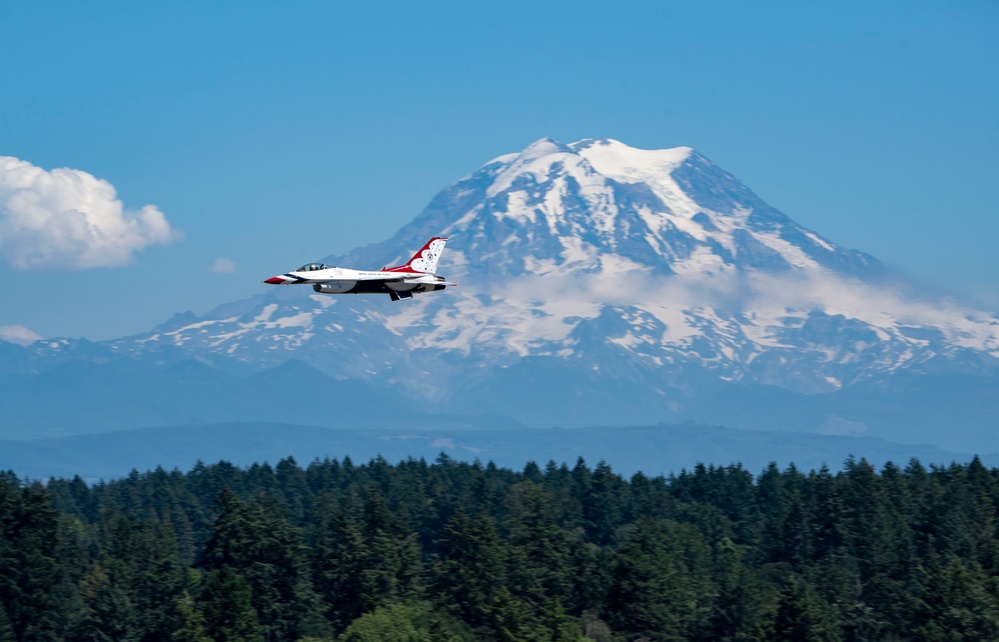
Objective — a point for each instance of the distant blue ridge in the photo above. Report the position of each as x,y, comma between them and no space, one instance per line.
653,450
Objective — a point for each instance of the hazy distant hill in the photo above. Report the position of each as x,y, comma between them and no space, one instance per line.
82,397
650,449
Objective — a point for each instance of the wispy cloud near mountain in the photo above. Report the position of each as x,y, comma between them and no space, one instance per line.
18,334
223,266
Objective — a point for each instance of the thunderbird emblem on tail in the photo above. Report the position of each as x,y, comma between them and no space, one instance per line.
399,282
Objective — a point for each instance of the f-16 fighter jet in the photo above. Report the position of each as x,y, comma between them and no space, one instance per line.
399,282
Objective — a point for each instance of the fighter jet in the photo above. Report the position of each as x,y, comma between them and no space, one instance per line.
399,282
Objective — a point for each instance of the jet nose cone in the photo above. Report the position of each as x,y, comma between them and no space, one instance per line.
274,280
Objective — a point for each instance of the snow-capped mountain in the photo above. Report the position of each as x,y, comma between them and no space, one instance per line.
641,265
595,278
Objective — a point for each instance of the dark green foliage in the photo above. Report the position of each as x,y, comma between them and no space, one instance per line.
192,625
539,559
227,608
30,571
6,630
253,544
741,599
455,552
405,622
471,566
803,615
111,614
661,582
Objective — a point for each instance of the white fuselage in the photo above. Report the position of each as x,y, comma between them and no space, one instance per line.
399,282
345,279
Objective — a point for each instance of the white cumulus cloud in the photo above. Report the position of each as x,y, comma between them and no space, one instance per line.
67,218
223,266
17,334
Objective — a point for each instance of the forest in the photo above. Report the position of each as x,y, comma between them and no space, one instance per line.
450,551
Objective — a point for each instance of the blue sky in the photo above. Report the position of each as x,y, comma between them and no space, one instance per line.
269,135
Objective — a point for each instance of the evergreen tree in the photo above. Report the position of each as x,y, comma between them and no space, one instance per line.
740,604
958,603
392,570
661,581
256,543
141,561
539,564
470,569
29,566
510,619
341,556
605,502
560,627
6,630
803,615
193,627
404,622
110,614
227,607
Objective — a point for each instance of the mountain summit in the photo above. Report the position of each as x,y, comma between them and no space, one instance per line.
562,208
595,269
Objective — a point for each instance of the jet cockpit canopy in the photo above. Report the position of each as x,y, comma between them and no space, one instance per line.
312,267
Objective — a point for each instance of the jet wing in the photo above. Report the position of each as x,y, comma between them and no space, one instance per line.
362,276
396,277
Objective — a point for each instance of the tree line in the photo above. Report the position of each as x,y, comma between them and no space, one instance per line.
449,551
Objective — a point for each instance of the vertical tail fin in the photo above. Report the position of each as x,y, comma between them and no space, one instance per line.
425,260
